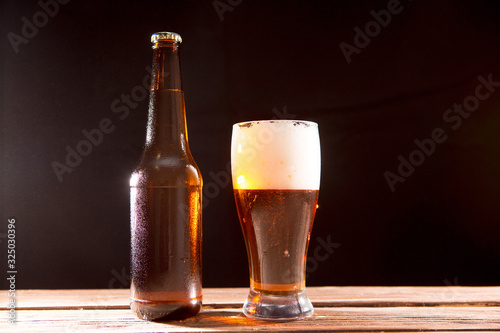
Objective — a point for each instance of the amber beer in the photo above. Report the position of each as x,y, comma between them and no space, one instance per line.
276,249
276,172
165,201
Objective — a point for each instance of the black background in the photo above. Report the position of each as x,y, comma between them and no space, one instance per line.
259,60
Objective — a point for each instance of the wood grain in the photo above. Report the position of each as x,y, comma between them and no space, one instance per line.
234,297
353,309
220,320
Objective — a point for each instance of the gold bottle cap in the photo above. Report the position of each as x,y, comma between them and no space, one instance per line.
156,37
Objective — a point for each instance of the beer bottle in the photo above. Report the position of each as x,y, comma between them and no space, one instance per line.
165,195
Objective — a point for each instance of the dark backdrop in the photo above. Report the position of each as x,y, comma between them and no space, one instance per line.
66,69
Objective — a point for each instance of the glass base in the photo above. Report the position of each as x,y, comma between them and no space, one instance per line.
277,308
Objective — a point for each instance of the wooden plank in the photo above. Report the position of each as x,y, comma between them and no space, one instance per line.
234,297
44,299
407,319
405,296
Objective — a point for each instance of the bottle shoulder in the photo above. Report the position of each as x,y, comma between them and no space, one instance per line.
166,171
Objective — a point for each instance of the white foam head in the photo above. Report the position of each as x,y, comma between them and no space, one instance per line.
276,154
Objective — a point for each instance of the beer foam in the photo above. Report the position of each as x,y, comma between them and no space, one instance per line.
276,154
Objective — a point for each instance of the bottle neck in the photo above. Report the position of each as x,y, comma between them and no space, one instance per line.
166,129
166,66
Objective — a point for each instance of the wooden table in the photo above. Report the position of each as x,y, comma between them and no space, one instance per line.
354,309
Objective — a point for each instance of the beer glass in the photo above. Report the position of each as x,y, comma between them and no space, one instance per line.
275,168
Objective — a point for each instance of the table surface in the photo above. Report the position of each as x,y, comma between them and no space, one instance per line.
353,309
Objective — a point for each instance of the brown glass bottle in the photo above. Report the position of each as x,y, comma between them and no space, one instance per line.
165,200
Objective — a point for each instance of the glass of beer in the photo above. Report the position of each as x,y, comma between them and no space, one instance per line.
276,168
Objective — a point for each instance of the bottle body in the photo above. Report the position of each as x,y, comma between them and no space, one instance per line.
166,251
165,203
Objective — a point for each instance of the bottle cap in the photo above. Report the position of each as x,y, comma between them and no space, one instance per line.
159,36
